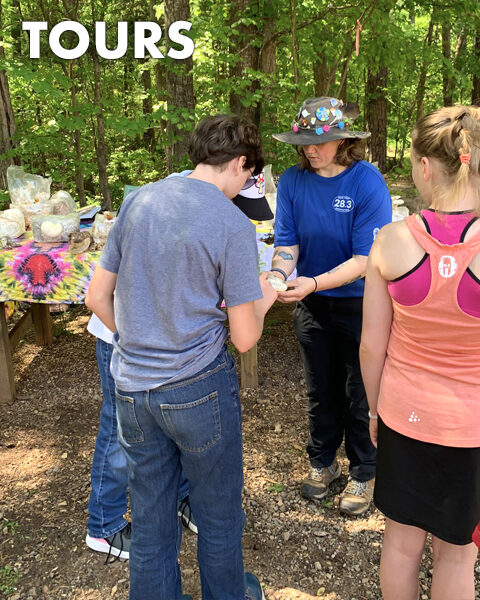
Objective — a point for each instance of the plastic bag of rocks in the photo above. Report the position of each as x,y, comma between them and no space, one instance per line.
101,227
12,225
26,188
29,193
63,203
55,228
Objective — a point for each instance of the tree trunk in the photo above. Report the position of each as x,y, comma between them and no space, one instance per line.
320,76
179,86
7,120
448,76
159,65
267,65
101,146
148,134
247,55
79,183
376,113
476,76
293,15
420,95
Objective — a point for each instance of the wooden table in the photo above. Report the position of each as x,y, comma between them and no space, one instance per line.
40,274
45,274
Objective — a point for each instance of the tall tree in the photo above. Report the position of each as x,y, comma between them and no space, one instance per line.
376,115
245,43
420,94
476,74
179,84
7,119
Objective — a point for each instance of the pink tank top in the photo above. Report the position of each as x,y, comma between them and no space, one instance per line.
430,387
412,287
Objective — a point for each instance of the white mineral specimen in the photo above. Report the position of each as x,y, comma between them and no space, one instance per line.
51,230
277,284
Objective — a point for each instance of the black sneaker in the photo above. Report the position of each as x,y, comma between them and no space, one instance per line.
185,515
116,545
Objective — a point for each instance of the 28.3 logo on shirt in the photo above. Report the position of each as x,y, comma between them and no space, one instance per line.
343,204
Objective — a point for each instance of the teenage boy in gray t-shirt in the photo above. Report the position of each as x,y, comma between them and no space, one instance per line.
178,248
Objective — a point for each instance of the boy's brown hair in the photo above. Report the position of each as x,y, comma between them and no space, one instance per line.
218,139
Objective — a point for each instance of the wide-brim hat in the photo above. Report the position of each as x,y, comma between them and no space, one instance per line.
322,120
251,199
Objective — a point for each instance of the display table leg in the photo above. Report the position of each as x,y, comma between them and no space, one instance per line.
7,383
249,368
42,323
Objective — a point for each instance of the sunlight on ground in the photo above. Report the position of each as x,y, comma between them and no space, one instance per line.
25,354
24,465
293,594
79,325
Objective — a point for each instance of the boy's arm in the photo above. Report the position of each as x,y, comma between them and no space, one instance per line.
246,320
99,298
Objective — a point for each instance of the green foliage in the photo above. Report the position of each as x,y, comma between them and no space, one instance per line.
9,578
275,488
9,527
54,100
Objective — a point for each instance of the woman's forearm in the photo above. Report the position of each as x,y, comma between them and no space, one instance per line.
285,258
371,364
347,272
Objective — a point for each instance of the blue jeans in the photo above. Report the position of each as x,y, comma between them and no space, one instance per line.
193,425
109,475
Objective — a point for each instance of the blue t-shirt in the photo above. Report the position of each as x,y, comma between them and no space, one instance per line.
331,218
179,247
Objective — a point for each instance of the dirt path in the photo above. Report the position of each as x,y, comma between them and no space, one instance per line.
298,549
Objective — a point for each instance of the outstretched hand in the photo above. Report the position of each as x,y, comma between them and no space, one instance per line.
269,294
297,289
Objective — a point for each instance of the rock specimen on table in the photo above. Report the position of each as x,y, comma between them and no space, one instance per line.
80,241
12,223
63,203
101,227
55,228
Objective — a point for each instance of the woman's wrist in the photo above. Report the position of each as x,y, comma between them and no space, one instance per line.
316,285
281,271
372,415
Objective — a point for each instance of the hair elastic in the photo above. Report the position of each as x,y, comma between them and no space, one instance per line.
281,271
465,159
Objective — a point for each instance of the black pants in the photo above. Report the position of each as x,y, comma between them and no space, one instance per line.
328,330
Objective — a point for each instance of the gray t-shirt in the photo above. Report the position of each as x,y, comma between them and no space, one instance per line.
179,247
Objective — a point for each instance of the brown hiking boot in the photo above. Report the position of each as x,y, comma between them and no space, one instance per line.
315,486
356,497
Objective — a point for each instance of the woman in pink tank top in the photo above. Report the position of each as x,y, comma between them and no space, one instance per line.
420,360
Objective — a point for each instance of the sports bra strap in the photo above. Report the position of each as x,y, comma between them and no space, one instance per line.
433,246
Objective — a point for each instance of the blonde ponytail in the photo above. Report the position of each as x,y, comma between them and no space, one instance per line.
451,135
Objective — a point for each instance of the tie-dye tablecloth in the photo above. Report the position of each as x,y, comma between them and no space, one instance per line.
50,274
46,273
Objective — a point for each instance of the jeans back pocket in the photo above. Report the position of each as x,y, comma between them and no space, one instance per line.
128,428
194,426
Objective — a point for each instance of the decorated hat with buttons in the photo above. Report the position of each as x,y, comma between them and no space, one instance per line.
321,120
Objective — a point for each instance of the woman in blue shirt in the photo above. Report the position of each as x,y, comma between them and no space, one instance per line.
329,209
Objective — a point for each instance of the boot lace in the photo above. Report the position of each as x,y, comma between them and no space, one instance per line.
357,488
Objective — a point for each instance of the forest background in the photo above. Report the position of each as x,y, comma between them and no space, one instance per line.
94,125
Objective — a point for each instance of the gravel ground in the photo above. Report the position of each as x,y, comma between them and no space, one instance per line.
299,550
